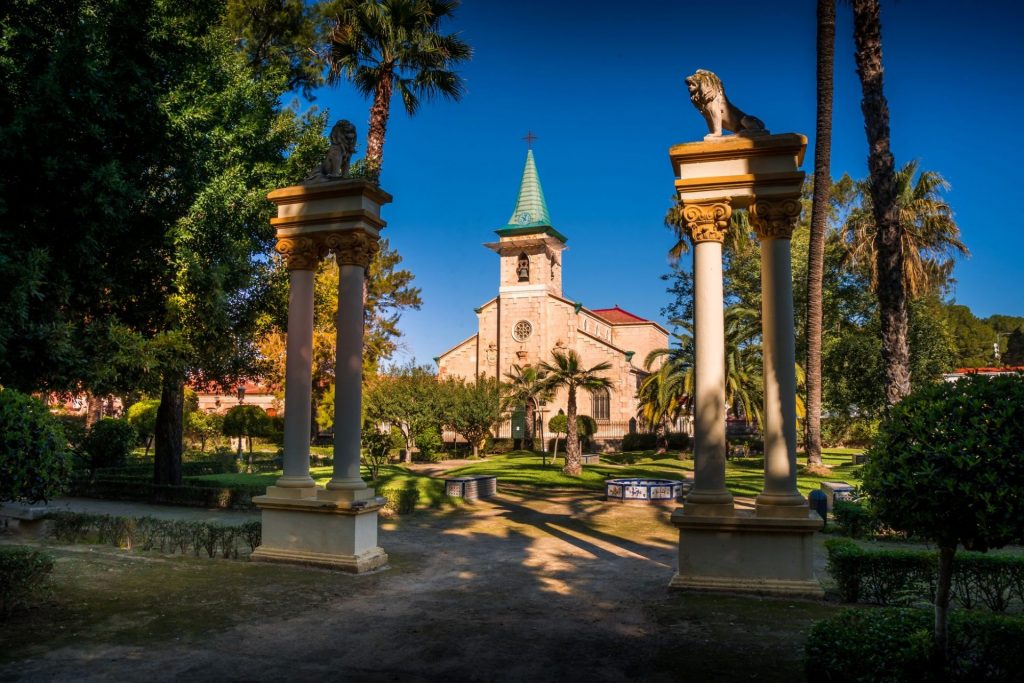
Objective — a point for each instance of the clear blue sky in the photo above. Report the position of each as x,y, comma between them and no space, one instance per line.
600,84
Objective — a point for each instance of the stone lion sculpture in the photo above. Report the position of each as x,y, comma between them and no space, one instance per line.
708,95
336,164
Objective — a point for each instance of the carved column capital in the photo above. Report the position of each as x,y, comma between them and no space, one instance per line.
300,253
775,218
355,248
708,222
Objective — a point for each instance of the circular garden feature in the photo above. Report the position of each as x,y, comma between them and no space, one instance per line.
643,490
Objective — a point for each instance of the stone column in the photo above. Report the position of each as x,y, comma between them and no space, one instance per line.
354,251
707,223
774,222
301,257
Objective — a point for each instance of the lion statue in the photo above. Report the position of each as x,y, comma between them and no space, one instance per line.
708,95
343,145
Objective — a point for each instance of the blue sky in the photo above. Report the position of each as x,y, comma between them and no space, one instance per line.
602,89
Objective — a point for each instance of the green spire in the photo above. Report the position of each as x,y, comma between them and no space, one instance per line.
531,212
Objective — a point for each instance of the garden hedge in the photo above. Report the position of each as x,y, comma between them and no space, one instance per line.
902,577
23,573
895,645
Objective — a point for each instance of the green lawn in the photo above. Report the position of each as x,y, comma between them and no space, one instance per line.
743,476
391,477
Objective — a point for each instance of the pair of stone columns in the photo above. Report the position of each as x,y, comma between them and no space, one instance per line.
708,222
353,251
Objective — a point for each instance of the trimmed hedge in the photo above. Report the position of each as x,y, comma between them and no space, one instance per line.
195,493
853,519
150,533
902,577
23,573
648,441
400,501
892,644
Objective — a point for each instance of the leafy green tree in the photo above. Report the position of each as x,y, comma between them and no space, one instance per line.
406,397
1014,349
202,427
142,416
387,45
972,338
376,448
474,408
279,37
566,371
527,387
109,443
246,422
35,463
947,466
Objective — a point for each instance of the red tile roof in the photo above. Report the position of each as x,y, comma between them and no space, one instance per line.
618,316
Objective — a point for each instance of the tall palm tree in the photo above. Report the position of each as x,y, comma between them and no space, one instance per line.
929,235
384,45
892,296
819,218
664,395
527,387
566,371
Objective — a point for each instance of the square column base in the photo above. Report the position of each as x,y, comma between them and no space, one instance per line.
745,553
329,531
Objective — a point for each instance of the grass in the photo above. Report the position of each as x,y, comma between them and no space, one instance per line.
391,477
743,476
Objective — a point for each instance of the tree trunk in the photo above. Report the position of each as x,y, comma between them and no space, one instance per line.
149,442
249,469
942,590
554,455
892,297
169,418
93,410
530,425
379,113
572,443
819,220
661,438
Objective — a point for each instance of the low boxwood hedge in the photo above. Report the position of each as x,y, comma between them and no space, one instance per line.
903,577
23,573
895,644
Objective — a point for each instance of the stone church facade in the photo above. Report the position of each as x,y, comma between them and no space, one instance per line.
530,317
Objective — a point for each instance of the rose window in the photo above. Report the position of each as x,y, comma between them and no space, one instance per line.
522,331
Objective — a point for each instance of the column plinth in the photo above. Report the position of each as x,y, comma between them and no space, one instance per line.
774,222
707,224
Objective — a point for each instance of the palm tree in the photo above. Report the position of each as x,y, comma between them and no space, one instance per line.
664,395
566,371
929,235
892,296
384,45
819,218
527,387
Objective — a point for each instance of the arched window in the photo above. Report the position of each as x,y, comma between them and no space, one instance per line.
601,405
523,267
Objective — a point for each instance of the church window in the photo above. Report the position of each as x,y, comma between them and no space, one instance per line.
522,330
600,405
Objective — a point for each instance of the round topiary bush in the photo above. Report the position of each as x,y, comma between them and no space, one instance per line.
35,463
109,443
947,465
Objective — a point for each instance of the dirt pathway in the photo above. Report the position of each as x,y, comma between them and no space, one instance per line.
511,589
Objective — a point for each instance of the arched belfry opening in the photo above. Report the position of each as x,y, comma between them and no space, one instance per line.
523,267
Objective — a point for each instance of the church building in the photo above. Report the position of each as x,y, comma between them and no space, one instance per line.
530,317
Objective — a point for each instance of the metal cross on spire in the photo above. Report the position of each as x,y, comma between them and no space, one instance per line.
529,137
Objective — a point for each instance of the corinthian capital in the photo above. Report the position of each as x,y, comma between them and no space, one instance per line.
707,222
352,248
300,253
775,218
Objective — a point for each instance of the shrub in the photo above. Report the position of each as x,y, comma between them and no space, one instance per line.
641,441
23,573
400,501
35,463
853,518
429,443
888,577
895,645
142,416
947,466
501,446
109,443
74,429
150,533
848,431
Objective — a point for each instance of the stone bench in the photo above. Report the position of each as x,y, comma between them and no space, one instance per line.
590,459
471,488
27,519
